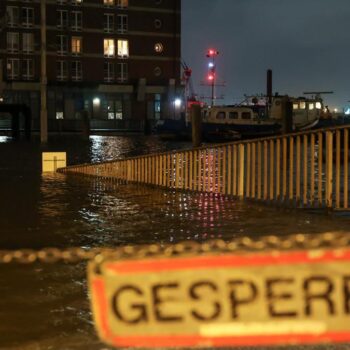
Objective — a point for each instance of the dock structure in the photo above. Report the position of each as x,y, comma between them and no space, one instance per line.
305,170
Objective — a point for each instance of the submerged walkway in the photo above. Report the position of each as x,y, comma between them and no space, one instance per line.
307,169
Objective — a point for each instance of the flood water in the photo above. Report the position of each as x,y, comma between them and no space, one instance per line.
46,307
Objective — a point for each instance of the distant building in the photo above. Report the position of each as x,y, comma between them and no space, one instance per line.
117,61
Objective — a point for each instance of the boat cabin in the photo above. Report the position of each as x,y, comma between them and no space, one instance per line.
226,115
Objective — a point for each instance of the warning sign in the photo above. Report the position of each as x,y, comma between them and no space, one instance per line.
249,299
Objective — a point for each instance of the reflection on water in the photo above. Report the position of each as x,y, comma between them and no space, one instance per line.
46,307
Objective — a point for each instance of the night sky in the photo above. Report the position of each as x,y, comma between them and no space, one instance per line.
305,42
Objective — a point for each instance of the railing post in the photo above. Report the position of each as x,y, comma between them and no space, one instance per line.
346,168
241,172
329,169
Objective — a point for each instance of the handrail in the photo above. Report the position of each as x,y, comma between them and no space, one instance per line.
296,169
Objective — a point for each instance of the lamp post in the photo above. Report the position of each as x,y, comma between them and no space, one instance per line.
43,77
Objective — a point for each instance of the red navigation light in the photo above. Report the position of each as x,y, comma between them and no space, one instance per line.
212,53
211,77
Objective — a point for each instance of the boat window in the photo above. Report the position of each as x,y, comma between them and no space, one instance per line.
318,105
233,115
295,105
302,105
311,106
220,115
246,115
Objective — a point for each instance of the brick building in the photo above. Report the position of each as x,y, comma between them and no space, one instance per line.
117,61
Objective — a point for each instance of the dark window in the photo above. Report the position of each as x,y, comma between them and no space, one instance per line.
220,115
246,115
233,115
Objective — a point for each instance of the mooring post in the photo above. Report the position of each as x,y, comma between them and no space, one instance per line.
287,115
196,121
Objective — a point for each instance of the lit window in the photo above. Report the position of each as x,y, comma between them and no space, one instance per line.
108,23
157,106
108,47
108,2
122,23
295,105
318,105
28,69
122,3
119,109
122,72
59,115
123,48
12,42
12,15
28,42
302,105
158,48
311,106
12,68
76,45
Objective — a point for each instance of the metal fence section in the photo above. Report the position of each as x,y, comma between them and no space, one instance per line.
308,169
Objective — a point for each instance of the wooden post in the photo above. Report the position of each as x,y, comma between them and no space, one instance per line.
223,170
305,165
278,169
346,168
337,171
235,170
272,170
253,190
291,169
329,169
259,170
229,170
241,172
320,166
265,171
298,170
196,121
312,169
248,179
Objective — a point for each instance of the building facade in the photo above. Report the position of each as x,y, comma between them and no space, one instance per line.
115,61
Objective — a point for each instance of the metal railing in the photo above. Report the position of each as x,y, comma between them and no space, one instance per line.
307,169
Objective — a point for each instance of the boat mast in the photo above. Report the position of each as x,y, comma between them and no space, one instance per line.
212,54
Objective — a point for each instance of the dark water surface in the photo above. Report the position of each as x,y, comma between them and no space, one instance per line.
46,307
